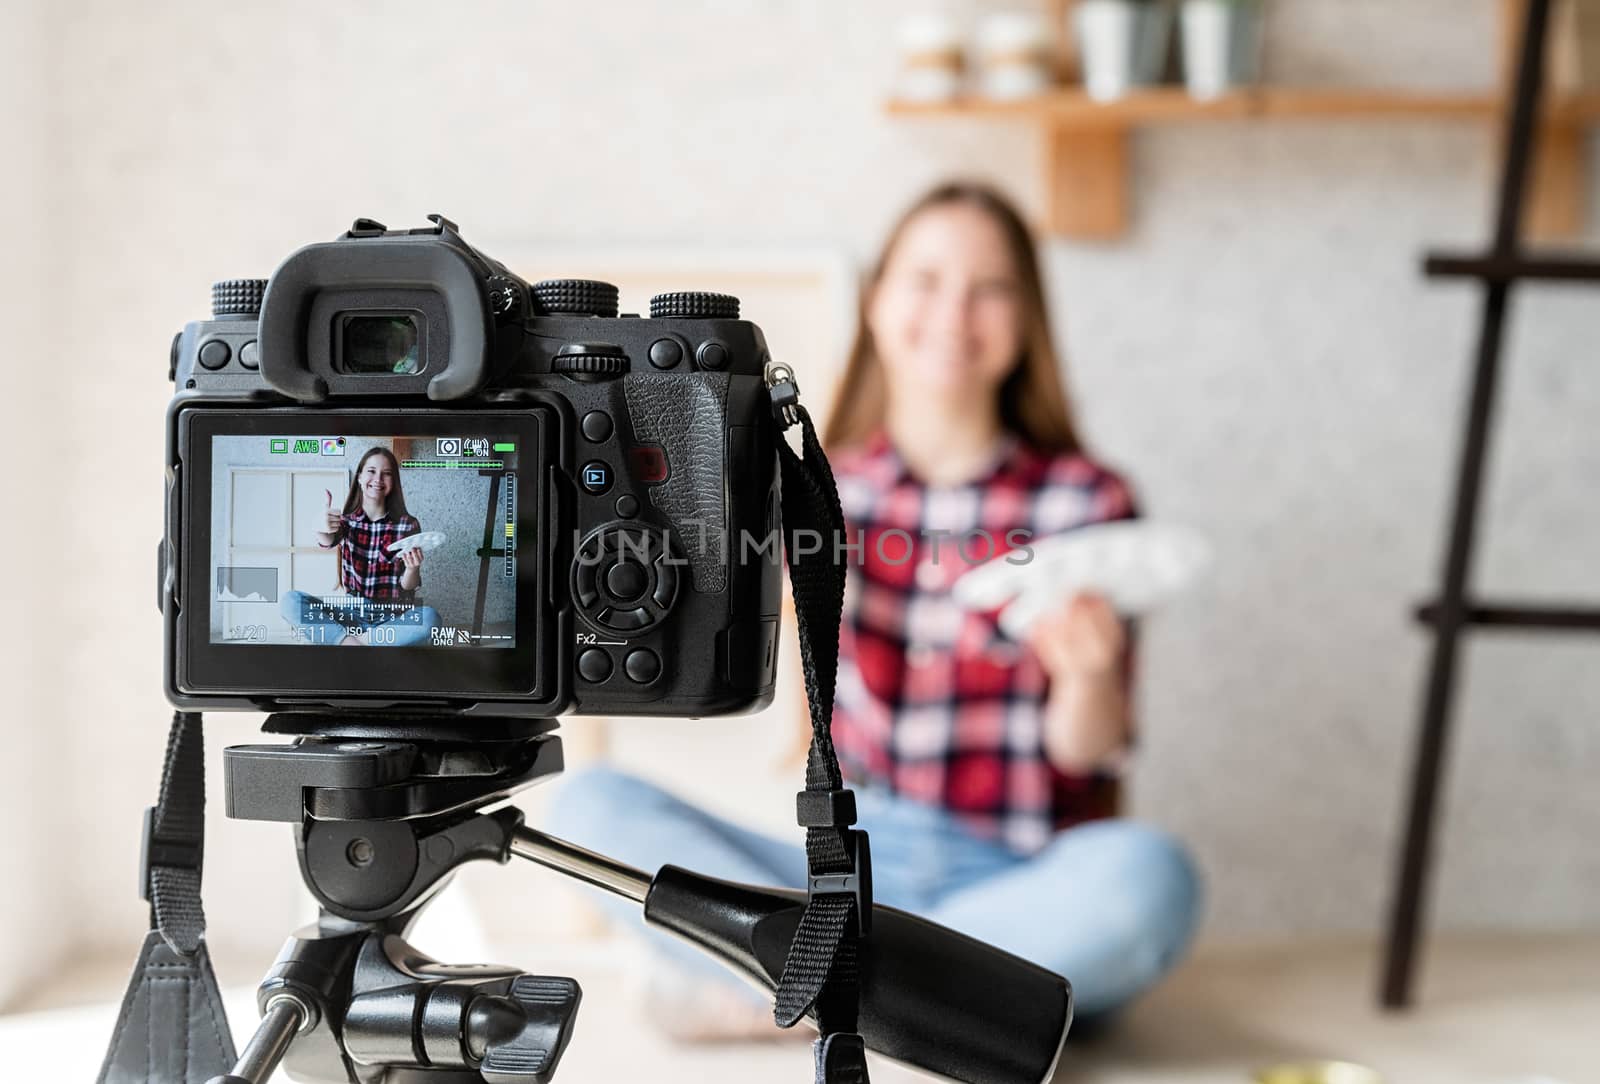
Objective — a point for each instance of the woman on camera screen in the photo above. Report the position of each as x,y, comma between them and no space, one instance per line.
381,584
986,770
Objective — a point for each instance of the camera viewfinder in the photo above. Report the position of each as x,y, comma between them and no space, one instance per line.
380,343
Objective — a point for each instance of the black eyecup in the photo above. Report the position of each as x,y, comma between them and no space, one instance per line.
405,262
825,808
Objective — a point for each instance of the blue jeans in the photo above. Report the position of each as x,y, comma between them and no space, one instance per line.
1111,905
414,626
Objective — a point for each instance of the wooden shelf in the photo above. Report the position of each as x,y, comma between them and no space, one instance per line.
1072,107
1086,141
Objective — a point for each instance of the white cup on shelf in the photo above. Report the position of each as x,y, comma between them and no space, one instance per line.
1122,44
1014,55
1221,45
931,59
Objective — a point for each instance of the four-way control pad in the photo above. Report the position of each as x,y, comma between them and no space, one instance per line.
625,579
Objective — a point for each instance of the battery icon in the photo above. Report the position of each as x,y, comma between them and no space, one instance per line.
280,445
505,446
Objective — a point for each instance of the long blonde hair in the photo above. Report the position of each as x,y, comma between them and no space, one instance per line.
1033,401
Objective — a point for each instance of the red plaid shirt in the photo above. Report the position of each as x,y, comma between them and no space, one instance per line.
934,702
366,567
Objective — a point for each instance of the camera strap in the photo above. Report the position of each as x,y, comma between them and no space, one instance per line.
822,972
171,1028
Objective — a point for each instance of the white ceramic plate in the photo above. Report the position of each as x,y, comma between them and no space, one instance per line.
1136,565
426,541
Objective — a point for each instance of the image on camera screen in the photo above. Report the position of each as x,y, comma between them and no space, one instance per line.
364,541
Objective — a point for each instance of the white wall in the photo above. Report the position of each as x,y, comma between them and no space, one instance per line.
1260,354
37,766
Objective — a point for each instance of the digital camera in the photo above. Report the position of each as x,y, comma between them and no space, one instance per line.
400,475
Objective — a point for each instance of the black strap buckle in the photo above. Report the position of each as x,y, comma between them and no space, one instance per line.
169,853
840,1058
825,808
855,883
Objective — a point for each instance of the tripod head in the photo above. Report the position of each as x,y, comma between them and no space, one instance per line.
388,807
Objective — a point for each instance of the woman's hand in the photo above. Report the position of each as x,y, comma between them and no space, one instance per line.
411,578
1083,639
1086,716
332,521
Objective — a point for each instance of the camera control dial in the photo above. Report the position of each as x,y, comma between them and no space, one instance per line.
625,578
237,297
694,303
580,297
590,359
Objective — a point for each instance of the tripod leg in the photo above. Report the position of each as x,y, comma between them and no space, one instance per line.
285,1016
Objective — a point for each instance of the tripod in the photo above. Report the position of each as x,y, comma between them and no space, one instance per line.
388,807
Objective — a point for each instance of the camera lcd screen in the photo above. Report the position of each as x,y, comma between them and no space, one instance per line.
368,541
413,537
381,343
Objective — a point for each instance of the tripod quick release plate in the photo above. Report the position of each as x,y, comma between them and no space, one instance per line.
337,779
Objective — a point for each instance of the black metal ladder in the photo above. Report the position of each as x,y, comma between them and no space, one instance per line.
1499,268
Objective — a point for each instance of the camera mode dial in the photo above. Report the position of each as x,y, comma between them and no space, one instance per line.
237,297
581,297
591,360
694,303
625,579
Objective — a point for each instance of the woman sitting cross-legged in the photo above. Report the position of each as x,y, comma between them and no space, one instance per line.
382,586
986,770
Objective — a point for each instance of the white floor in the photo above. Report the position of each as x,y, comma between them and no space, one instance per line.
1493,1011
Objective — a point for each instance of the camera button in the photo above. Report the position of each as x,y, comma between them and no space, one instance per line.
627,506
594,665
250,355
642,665
666,583
649,463
627,580
596,426
712,355
665,353
587,594
596,477
627,620
215,354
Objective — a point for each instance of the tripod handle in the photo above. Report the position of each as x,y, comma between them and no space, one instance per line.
930,997
285,1016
